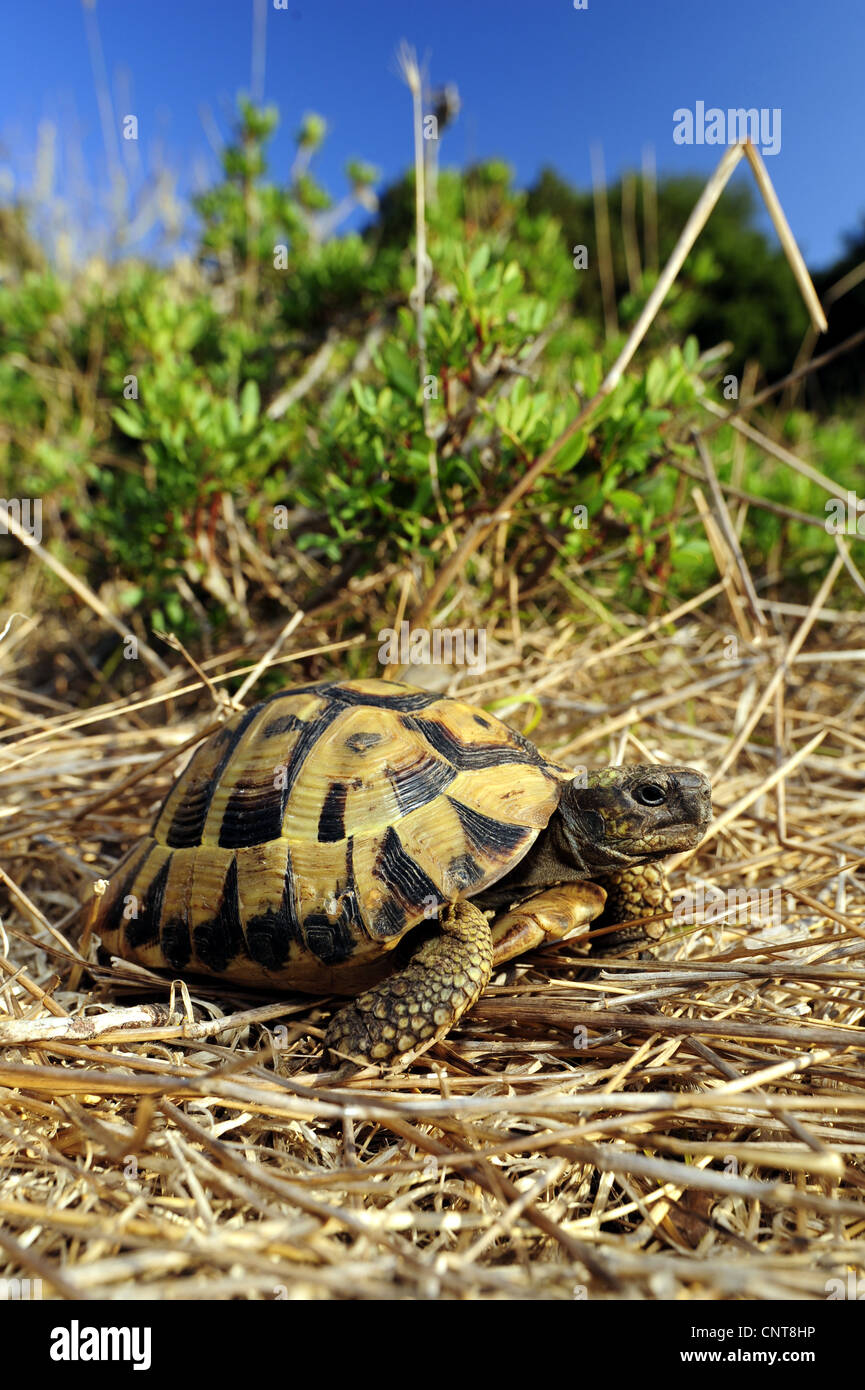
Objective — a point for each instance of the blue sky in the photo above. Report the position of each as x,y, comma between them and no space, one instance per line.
539,83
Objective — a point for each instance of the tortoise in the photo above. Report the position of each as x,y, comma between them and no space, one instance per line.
313,831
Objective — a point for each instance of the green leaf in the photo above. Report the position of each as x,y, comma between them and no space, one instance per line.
480,259
399,370
250,405
656,381
630,504
572,451
128,424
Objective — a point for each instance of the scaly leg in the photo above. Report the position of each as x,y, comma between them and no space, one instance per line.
423,1001
547,916
639,891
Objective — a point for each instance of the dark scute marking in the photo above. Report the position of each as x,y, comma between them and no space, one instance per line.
331,822
188,820
209,947
175,943
466,757
403,704
253,815
333,940
144,929
331,690
406,882
255,812
218,941
362,740
493,838
420,782
317,688
462,872
308,735
484,723
187,824
111,917
217,740
390,919
285,724
270,933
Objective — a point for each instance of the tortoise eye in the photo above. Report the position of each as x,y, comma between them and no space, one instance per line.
650,794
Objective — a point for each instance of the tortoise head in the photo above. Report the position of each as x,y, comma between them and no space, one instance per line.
624,815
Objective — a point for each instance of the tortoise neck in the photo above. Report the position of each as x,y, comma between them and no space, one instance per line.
552,858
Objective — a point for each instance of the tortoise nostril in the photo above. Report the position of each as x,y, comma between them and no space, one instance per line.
650,794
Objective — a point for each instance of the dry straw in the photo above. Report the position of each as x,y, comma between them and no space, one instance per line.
690,1125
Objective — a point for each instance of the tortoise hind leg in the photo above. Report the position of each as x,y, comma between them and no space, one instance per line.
423,1001
639,891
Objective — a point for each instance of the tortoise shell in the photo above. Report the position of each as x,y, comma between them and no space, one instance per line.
307,835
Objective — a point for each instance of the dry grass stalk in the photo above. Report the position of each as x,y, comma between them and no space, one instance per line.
669,1127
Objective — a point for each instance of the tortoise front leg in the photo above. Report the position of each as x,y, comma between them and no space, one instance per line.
639,891
423,1001
547,916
